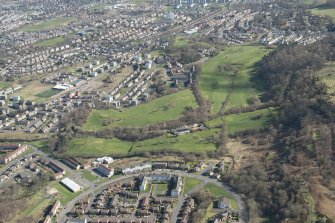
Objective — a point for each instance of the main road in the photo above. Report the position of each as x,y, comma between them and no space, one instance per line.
243,213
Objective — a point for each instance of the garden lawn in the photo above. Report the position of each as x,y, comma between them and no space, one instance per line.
215,82
217,192
245,121
166,108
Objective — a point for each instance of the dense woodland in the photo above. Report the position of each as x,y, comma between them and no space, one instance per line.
303,134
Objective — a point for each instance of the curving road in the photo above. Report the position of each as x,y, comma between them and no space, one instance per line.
242,208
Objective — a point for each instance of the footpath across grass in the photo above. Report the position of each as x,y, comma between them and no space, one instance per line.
197,142
166,108
216,76
245,121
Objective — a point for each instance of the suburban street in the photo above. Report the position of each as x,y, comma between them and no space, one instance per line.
241,206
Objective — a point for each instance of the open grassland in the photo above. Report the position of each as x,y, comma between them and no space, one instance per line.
48,25
181,41
166,108
190,183
327,75
48,93
34,90
312,2
217,192
5,84
324,12
216,75
93,147
245,121
51,42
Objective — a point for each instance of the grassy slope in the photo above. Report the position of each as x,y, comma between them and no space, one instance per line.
327,74
94,147
214,83
244,121
167,108
48,25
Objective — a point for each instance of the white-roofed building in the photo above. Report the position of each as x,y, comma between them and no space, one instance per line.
71,185
105,171
137,169
105,160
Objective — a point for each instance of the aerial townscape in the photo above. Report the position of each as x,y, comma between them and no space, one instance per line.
167,111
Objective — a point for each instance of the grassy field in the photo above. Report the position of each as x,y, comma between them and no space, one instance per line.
5,84
215,81
190,183
32,89
48,25
244,121
48,93
51,42
327,74
166,108
324,12
196,142
181,41
93,147
217,192
64,194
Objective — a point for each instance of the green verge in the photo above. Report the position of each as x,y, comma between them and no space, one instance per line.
215,82
89,176
217,192
65,196
245,121
166,108
190,183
